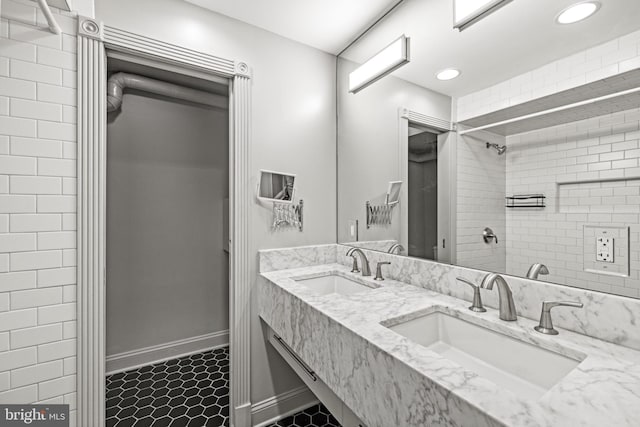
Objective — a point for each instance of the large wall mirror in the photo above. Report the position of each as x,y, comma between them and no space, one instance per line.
527,163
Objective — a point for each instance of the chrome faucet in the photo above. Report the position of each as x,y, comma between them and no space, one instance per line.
366,271
394,247
537,269
507,306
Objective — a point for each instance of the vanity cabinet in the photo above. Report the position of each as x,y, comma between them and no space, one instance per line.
333,403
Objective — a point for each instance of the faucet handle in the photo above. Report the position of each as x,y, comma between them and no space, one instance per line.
548,305
354,267
379,270
546,325
477,300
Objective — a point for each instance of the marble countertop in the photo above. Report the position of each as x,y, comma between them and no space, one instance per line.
388,380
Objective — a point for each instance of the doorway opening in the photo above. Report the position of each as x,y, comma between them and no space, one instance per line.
422,193
167,234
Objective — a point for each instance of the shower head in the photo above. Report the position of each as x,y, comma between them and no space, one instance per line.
501,149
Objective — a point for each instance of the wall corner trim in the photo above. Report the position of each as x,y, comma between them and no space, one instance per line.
242,69
90,28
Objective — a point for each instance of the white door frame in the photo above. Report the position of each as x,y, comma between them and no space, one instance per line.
93,40
440,126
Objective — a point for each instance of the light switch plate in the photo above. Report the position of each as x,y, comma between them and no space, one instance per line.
605,249
353,229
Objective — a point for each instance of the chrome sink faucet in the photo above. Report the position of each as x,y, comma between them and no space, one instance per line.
396,247
537,269
366,271
507,306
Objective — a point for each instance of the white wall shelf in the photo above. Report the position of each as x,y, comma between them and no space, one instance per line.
617,93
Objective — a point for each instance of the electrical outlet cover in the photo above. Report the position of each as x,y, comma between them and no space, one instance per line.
606,250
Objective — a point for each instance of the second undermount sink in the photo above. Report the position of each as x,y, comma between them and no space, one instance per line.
333,284
524,369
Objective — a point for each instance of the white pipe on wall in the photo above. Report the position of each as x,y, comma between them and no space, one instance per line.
119,81
51,20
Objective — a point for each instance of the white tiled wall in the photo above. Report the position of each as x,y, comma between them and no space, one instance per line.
37,206
480,203
590,174
616,56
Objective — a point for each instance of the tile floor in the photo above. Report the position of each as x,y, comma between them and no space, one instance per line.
315,416
186,392
189,391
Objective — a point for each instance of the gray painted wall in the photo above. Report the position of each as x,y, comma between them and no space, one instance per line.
293,130
368,145
167,177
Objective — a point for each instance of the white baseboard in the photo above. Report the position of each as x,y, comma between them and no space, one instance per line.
158,353
281,406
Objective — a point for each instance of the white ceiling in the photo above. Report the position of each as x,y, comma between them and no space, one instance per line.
328,25
519,37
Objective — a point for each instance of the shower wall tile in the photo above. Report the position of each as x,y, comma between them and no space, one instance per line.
56,94
36,110
17,204
34,147
480,180
57,167
17,88
35,222
37,241
588,172
35,185
35,298
56,204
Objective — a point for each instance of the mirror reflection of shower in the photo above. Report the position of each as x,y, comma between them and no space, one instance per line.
501,149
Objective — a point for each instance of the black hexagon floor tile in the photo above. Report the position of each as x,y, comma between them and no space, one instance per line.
189,391
314,416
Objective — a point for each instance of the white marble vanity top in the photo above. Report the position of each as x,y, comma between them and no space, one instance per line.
390,381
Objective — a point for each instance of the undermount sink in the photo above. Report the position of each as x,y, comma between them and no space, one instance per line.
333,284
522,368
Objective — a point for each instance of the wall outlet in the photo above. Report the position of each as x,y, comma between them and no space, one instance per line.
604,249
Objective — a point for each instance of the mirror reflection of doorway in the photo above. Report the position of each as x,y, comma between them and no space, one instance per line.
422,194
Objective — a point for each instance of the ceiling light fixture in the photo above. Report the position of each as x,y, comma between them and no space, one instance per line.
384,62
468,12
578,12
447,74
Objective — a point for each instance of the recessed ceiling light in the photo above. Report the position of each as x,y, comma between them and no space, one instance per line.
448,74
577,12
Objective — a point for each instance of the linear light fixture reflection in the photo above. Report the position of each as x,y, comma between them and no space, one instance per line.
384,62
468,12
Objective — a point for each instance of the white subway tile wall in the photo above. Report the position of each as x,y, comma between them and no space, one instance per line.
617,56
480,201
37,206
589,172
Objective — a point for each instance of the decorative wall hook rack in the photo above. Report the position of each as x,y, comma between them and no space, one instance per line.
287,215
379,214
